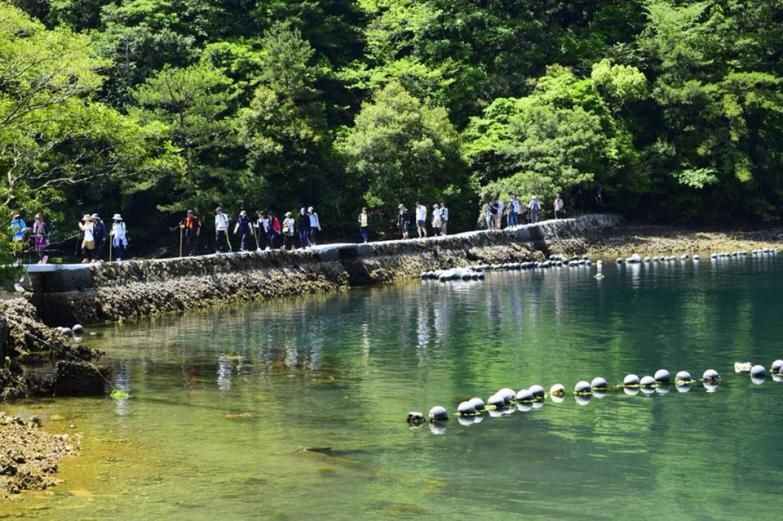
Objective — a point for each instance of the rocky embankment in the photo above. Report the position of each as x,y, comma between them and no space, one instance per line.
135,289
664,240
29,455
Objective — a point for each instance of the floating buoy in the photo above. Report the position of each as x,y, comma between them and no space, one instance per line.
582,387
524,395
77,330
466,409
415,418
438,414
683,377
647,382
477,403
631,380
537,391
710,376
662,376
557,391
496,401
599,384
758,371
777,367
507,394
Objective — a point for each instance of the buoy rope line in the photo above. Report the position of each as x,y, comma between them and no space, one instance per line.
507,399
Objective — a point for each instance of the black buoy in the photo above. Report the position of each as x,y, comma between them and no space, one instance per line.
415,418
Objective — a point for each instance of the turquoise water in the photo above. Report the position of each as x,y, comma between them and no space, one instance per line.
223,400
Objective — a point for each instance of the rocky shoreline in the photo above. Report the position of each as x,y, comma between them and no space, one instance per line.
29,455
651,241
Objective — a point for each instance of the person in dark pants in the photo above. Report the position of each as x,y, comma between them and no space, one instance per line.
262,230
245,229
99,233
221,231
303,228
364,225
191,228
275,229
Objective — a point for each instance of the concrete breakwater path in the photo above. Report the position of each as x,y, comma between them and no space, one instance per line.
116,291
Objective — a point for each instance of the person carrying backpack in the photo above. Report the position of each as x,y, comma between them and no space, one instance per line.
119,236
315,225
191,227
535,207
245,229
303,227
40,238
221,231
18,236
289,230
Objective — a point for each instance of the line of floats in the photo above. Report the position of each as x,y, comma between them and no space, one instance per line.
478,272
506,401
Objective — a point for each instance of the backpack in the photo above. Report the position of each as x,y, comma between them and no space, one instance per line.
99,231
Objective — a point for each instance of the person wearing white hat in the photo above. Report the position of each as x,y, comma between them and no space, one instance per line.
119,236
88,242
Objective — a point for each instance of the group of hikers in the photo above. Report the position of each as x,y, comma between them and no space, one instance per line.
266,230
516,213
95,238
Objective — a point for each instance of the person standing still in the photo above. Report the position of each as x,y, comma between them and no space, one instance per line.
501,207
289,229
364,225
421,220
262,229
303,227
88,242
315,225
403,220
119,236
559,207
18,236
99,233
275,230
436,222
40,238
221,231
444,219
191,228
535,208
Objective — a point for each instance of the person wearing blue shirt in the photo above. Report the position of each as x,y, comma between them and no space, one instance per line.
18,235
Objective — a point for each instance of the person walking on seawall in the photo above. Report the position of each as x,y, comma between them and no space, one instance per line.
364,225
315,225
262,227
444,219
191,227
88,242
559,207
119,237
436,222
493,211
288,232
18,236
99,233
403,220
244,227
501,207
514,211
421,220
40,238
535,208
275,230
303,227
221,231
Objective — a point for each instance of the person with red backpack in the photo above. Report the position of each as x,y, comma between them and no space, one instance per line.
191,227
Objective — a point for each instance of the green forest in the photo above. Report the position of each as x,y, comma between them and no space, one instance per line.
673,109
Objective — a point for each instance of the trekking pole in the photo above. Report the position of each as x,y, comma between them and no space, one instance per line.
255,236
111,244
180,241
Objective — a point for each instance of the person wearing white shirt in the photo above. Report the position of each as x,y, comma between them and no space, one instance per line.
444,219
421,220
559,207
315,225
535,208
499,215
119,236
221,231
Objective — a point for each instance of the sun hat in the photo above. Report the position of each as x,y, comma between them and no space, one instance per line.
117,217
87,217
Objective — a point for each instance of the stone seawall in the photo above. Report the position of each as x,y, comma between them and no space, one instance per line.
132,289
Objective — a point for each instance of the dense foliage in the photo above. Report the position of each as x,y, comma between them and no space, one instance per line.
672,109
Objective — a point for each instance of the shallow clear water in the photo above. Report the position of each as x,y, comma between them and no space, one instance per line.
222,400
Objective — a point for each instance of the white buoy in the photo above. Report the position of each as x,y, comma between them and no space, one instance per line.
582,387
524,395
631,380
507,394
710,376
647,381
777,367
683,377
537,391
466,409
477,403
78,330
662,376
599,383
758,371
438,414
496,401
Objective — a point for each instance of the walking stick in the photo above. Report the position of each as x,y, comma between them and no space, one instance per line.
255,236
111,244
180,241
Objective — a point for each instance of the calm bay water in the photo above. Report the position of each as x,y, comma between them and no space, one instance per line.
223,400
